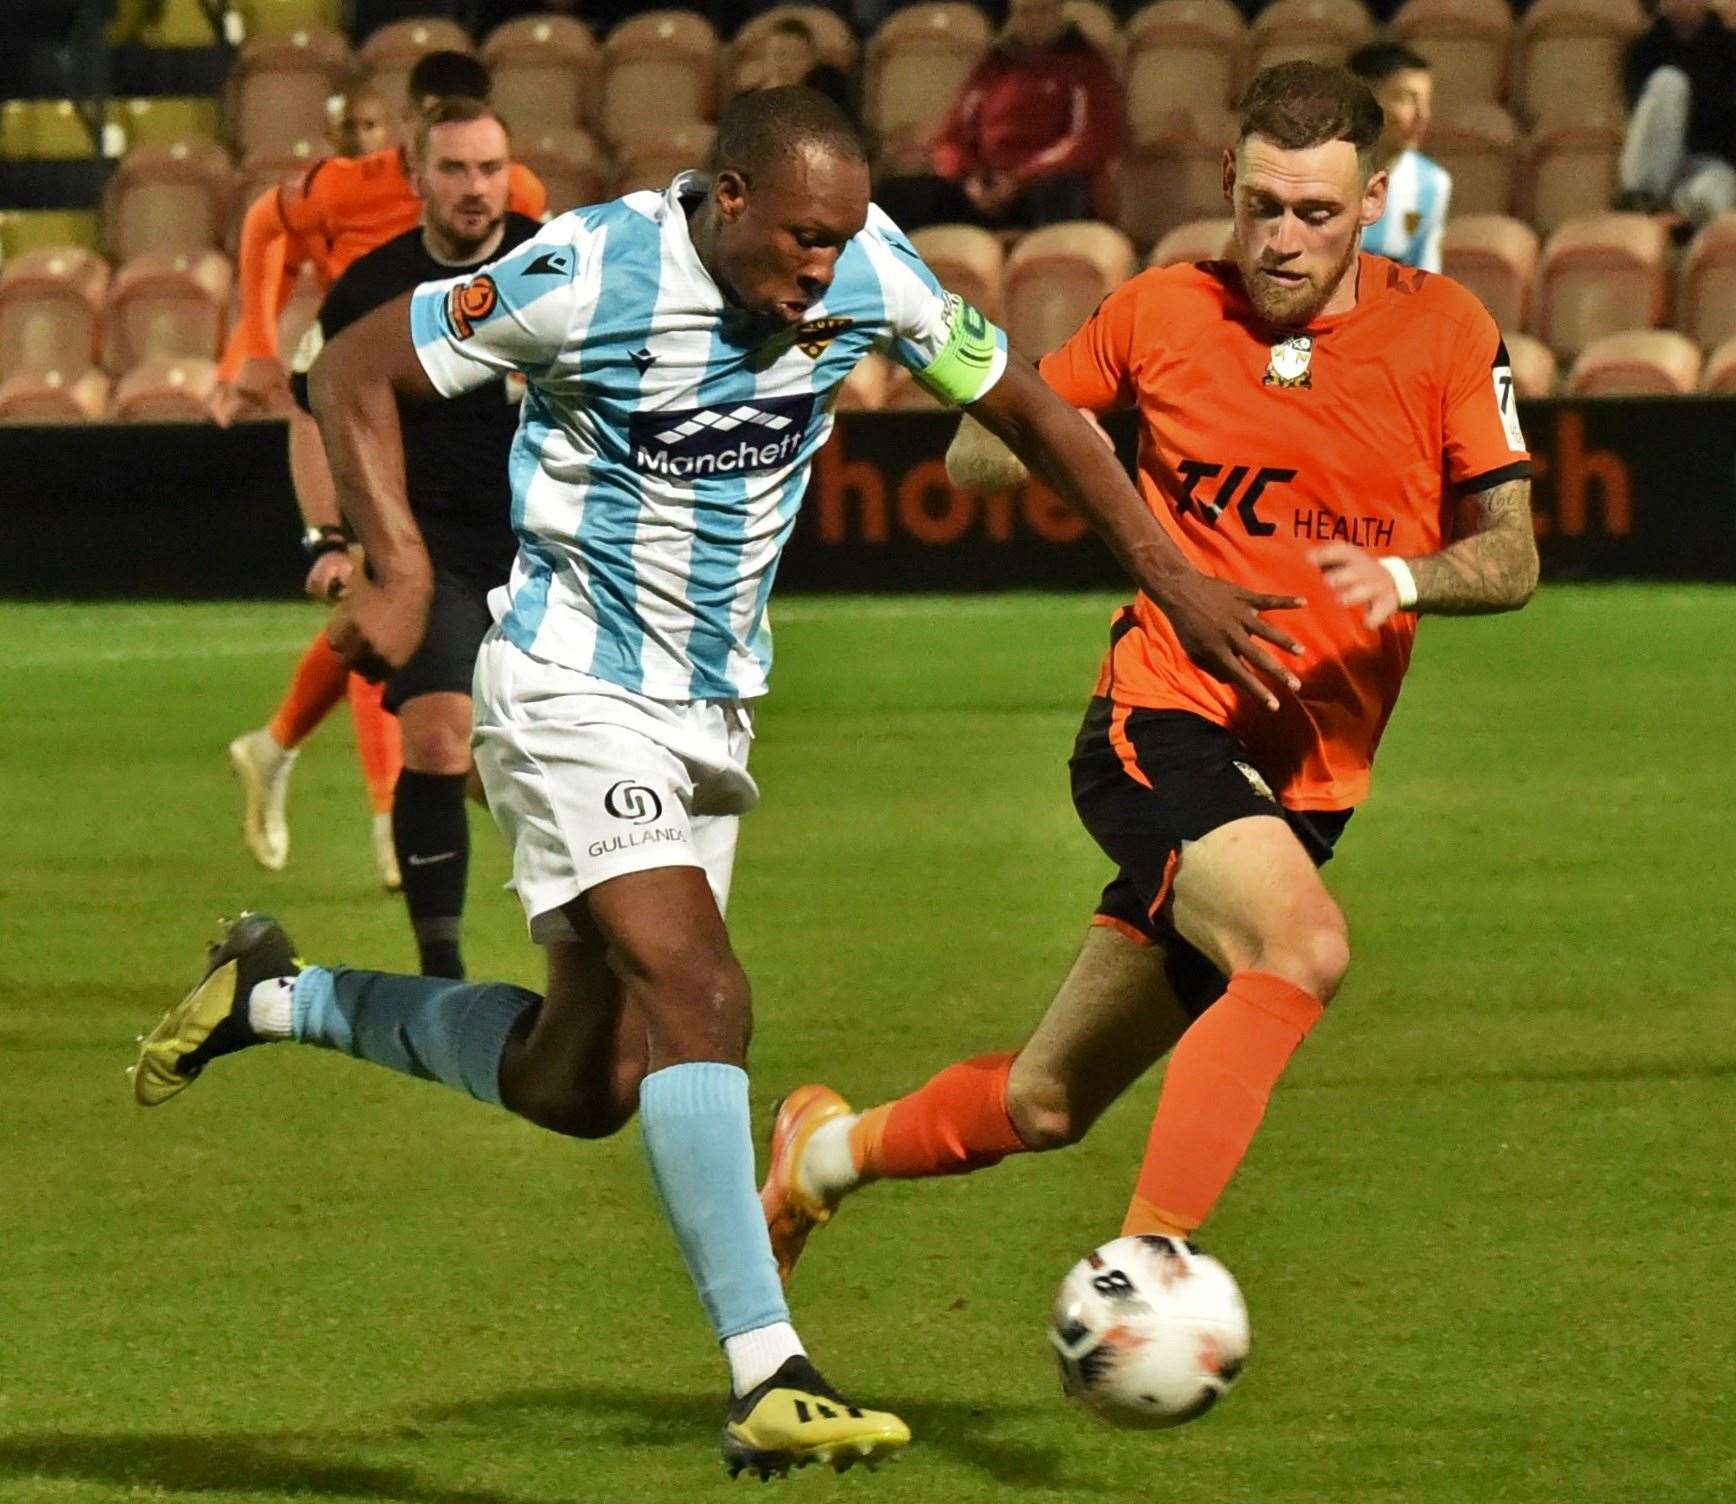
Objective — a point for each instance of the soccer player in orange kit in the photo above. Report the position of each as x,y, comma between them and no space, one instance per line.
1314,422
338,210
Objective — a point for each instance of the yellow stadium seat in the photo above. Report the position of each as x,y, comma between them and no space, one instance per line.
1534,364
50,309
1200,240
1467,43
917,62
547,70
1602,274
1496,257
1183,54
179,23
165,389
281,18
967,260
1056,276
1323,31
23,230
660,74
1478,143
1637,363
1708,302
159,121
44,128
54,396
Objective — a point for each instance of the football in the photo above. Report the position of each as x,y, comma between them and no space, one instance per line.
1150,1332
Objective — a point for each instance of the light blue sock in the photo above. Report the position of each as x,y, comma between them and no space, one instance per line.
430,1027
700,1141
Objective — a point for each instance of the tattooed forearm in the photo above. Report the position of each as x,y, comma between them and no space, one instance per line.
1494,569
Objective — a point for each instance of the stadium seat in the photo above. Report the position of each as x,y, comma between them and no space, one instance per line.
165,305
44,128
1097,24
917,62
1173,172
1534,364
1602,274
179,23
1056,276
865,389
158,121
165,390
279,90
570,163
833,40
1496,258
391,51
1637,363
1323,31
1478,143
1199,240
654,162
50,310
660,74
168,198
24,230
54,397
1467,43
1567,59
548,72
1720,373
281,18
1183,54
1570,169
967,260
1708,301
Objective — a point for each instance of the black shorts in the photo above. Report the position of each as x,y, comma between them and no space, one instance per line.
1147,781
458,619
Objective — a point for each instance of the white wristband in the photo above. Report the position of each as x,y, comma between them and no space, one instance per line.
1402,579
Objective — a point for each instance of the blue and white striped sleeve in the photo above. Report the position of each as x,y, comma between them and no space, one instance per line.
1428,249
513,315
951,349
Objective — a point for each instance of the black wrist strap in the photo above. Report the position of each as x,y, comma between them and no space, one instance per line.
330,540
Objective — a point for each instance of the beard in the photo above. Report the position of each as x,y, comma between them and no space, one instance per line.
1292,307
467,242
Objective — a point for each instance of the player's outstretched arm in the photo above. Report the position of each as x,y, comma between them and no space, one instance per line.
1217,622
353,390
1493,568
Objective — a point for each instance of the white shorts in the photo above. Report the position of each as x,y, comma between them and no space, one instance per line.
589,781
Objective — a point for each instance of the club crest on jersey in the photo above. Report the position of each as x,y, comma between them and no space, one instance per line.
1289,364
813,336
469,303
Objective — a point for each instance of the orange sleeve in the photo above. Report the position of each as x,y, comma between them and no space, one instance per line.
262,270
1094,369
1482,443
526,194
302,200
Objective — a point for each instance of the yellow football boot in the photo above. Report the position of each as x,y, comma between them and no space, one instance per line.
796,1418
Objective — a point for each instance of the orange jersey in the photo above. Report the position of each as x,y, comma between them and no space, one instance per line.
354,204
1257,445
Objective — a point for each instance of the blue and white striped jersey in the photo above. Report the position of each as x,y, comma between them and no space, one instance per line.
1417,192
665,440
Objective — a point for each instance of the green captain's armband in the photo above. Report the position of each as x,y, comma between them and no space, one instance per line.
970,362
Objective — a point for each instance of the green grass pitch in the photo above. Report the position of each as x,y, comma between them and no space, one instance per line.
1486,1235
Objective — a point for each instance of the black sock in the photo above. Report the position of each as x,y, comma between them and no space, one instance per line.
431,834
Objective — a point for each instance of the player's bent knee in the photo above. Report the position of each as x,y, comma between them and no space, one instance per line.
699,1007
1315,958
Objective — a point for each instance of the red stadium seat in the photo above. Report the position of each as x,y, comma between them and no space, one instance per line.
1183,54
967,260
1534,364
1324,31
1173,172
165,390
547,70
50,310
834,42
279,90
1478,143
168,198
391,51
917,62
660,74
1568,57
1602,274
1708,301
165,305
1056,276
654,162
1720,372
1637,363
570,163
1570,169
1467,43
1496,257
53,397
1201,240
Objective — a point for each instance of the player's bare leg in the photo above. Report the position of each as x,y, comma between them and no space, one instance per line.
431,826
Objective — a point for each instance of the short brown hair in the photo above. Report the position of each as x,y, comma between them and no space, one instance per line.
1302,104
452,112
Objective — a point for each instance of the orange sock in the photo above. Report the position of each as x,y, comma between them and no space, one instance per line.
315,688
956,1123
1214,1095
378,745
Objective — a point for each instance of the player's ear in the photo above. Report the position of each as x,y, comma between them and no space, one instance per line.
1373,199
729,188
1230,176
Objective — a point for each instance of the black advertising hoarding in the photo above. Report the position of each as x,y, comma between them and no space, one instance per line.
1626,489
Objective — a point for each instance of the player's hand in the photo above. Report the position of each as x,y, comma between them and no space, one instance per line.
329,579
377,627
1218,622
225,404
1357,578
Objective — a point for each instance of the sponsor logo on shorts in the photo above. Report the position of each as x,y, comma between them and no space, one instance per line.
628,800
638,838
730,439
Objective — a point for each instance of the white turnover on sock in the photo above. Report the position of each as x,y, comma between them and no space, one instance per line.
828,1169
271,1007
755,1356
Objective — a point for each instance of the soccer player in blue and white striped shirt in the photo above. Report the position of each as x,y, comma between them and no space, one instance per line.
683,351
1418,188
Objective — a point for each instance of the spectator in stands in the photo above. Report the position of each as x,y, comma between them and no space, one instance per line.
1036,121
1681,136
363,123
791,57
1418,187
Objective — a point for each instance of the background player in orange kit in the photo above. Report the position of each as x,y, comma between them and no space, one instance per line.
1314,422
338,210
